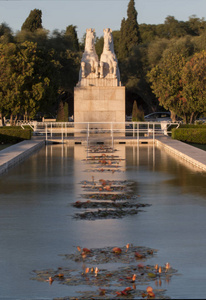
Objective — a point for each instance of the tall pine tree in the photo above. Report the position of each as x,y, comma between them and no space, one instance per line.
130,34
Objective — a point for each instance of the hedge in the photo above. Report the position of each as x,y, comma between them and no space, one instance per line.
195,135
12,135
193,126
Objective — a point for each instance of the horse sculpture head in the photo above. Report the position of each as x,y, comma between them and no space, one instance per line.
108,40
89,43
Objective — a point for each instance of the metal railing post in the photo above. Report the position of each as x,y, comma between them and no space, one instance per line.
112,135
46,132
51,130
87,140
62,134
88,129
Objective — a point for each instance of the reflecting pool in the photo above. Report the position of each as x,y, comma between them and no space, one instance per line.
37,221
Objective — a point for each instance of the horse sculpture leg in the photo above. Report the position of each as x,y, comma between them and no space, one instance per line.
83,69
115,69
101,69
97,69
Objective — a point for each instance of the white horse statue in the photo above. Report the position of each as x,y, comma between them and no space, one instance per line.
108,60
89,62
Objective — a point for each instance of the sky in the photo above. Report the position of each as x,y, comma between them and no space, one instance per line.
96,14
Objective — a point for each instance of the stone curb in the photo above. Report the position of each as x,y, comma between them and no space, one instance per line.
17,153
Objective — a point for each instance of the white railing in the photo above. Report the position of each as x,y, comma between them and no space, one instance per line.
87,130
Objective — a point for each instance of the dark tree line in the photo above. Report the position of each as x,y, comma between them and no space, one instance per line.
47,64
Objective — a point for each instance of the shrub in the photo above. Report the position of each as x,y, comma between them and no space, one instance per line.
193,126
195,135
137,113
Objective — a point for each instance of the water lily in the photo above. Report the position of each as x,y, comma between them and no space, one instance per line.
79,249
117,250
167,267
86,250
134,277
50,280
156,267
96,271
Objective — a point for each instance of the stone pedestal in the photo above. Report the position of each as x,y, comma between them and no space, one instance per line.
100,104
99,95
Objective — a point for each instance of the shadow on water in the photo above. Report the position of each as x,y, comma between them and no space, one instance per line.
37,224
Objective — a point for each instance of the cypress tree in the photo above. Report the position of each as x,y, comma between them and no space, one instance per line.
130,34
34,21
60,113
132,26
137,113
122,43
72,35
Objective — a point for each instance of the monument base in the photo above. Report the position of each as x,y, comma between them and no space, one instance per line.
99,104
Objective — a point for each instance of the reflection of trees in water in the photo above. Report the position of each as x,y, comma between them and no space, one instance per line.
190,178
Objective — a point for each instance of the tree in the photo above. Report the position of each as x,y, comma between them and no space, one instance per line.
63,112
130,34
197,26
28,79
194,86
9,95
6,34
137,114
166,84
99,44
60,112
34,21
71,34
66,112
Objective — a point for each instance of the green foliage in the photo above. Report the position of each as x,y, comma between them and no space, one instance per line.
190,135
26,75
194,86
34,21
63,112
39,36
193,126
71,34
66,112
155,50
60,112
172,28
99,43
6,34
14,134
166,81
137,113
130,34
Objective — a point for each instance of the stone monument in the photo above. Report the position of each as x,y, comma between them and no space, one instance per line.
99,95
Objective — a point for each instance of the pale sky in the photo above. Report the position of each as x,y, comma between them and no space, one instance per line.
97,14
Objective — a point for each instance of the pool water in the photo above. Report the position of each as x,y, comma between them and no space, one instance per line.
37,224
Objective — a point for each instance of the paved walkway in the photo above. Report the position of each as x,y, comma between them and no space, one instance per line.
18,152
193,155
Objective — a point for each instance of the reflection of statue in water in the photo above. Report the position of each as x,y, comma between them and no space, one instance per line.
108,60
89,62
